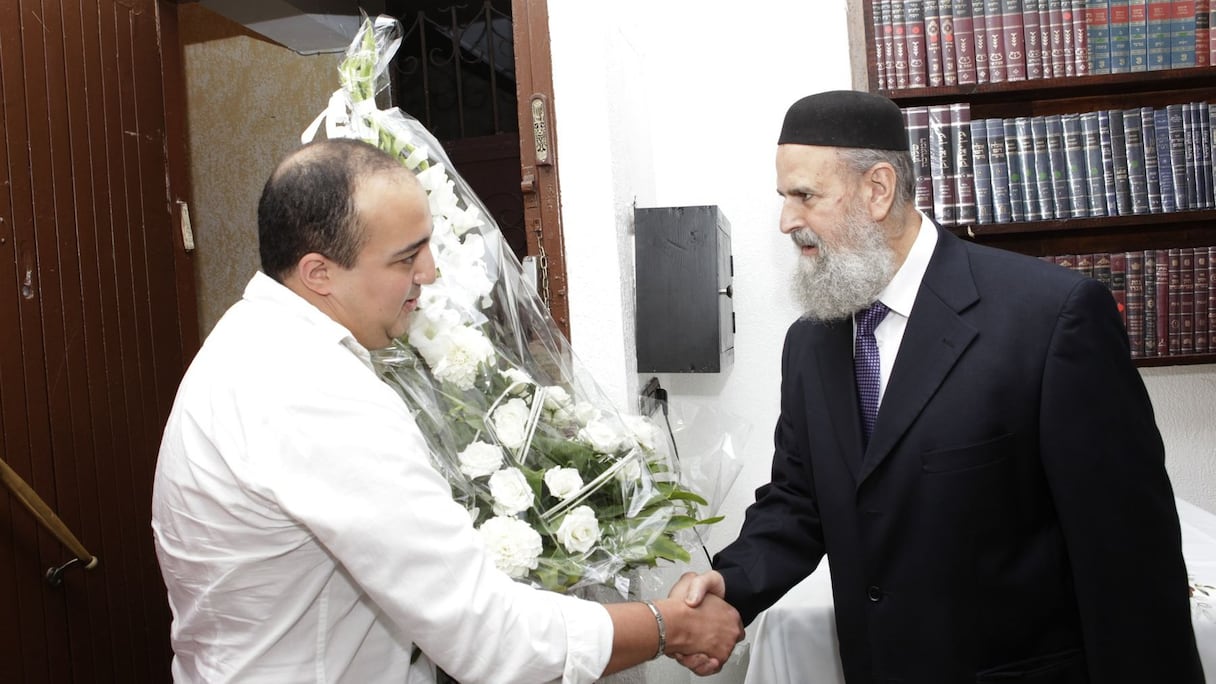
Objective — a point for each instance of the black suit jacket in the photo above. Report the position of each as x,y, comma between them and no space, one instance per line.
1011,519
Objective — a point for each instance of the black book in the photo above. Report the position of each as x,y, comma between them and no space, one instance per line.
941,162
982,170
1026,162
1118,153
964,174
1078,173
1054,124
1148,126
1045,186
1176,135
917,120
1013,159
1091,138
1165,160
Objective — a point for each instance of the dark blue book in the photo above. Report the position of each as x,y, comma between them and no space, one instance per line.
1108,163
1028,176
1137,178
1002,209
964,174
1091,139
1058,165
1045,187
1152,174
1176,134
1078,173
983,171
1165,160
941,162
1013,159
1204,165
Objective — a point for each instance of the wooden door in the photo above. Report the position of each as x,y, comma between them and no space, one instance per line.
97,321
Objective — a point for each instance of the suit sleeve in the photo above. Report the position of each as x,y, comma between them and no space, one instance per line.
1105,462
781,541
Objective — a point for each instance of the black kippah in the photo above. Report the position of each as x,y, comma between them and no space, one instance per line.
845,118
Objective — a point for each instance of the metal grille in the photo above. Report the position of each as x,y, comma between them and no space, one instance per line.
455,69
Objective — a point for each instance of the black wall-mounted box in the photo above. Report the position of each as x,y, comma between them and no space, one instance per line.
685,310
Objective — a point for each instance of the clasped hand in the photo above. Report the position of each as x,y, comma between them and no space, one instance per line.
718,629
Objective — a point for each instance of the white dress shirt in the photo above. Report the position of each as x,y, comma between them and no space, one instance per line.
304,536
899,295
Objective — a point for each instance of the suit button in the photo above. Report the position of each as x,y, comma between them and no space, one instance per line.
874,593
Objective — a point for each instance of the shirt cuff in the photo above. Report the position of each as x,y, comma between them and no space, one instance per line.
588,640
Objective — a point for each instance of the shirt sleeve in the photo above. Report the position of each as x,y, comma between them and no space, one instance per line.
348,463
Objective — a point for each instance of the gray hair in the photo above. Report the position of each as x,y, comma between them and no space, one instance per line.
860,160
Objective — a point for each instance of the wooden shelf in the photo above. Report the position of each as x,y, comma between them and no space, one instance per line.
1085,235
1107,86
1180,360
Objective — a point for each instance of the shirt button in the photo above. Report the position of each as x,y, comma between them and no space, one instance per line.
874,593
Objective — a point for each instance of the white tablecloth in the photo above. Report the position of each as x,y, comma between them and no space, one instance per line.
795,639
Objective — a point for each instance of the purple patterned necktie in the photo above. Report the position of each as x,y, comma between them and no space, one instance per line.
866,367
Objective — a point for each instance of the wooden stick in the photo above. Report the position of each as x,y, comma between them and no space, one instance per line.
45,515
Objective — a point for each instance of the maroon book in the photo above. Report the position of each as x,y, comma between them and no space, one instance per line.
1012,27
964,42
1135,302
1163,302
994,27
949,44
933,43
1118,282
1186,300
1203,285
1174,274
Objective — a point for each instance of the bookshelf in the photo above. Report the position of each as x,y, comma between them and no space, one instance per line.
1064,95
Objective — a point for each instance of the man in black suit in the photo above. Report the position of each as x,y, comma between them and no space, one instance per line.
1009,518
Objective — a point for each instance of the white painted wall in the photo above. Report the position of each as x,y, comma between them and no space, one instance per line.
678,102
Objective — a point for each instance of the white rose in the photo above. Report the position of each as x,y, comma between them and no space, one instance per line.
631,471
510,421
518,378
511,492
563,482
579,530
480,459
585,412
643,430
556,397
513,545
602,434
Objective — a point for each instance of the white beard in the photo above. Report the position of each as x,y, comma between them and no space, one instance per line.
847,275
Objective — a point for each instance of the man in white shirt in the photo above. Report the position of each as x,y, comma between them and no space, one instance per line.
301,530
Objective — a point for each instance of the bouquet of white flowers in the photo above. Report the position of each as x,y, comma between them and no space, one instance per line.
565,490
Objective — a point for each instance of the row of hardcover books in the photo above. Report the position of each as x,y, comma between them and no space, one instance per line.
1114,162
1167,296
931,43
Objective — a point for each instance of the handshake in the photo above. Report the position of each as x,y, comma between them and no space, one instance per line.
701,628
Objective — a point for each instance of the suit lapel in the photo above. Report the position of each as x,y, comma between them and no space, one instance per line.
835,366
933,341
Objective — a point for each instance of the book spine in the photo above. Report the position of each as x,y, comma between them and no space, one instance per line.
1057,50
1026,168
888,42
1108,162
1165,160
917,119
1015,40
1137,177
1182,34
1045,39
1091,139
933,43
914,30
1120,33
899,43
1186,300
1204,165
1152,170
1188,158
1119,167
1162,260
994,17
1080,34
1097,30
1202,297
1137,42
1135,302
1203,33
941,159
1150,304
1118,282
1017,179
1174,277
964,42
1158,35
1045,185
983,172
1211,298
1069,21
949,42
880,65
1033,44
1002,211
979,42
1058,165
964,174
1074,155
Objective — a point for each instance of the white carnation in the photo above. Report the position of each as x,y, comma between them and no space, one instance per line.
513,545
511,492
579,530
480,459
470,349
563,482
510,421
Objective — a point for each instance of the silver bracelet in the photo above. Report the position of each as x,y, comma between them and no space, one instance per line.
658,617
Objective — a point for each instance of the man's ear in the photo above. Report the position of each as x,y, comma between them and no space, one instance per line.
315,272
880,181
